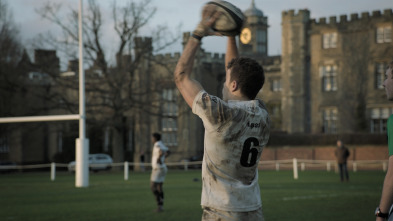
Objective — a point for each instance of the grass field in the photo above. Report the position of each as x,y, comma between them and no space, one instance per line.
316,195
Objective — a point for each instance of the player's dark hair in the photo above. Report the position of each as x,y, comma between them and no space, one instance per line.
157,136
248,74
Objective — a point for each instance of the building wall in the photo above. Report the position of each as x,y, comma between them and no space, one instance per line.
364,152
355,57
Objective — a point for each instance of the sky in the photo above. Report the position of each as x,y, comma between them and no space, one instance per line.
172,13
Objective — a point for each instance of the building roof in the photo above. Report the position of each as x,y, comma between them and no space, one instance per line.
253,11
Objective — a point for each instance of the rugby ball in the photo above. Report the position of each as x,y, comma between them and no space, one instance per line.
231,19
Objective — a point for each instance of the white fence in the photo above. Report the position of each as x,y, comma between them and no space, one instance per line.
291,164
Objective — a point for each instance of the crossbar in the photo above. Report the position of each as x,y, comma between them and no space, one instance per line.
38,118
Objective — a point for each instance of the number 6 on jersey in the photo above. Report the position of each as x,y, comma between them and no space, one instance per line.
249,155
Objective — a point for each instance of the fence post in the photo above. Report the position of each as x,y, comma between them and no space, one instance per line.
185,165
328,166
295,173
53,171
277,166
126,167
303,166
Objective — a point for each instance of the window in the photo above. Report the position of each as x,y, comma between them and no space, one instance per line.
261,41
169,104
169,139
169,119
168,124
261,36
276,84
329,77
275,115
261,48
330,40
35,76
379,118
329,120
380,69
384,34
4,148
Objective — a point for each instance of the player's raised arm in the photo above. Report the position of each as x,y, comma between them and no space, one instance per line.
232,51
187,86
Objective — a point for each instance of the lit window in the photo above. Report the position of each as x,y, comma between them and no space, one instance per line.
384,34
329,120
379,118
169,138
380,69
329,77
330,40
276,84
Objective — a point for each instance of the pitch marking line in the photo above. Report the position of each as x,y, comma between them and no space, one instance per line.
309,197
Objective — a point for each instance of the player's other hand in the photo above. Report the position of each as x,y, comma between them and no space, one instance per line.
209,16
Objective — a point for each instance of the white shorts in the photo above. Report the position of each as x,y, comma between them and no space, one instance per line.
158,174
210,214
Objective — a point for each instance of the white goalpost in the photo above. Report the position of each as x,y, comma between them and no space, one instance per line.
82,143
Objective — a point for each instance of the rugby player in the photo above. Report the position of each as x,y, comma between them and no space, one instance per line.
236,129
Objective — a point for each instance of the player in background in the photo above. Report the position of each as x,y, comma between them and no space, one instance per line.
236,129
387,192
159,170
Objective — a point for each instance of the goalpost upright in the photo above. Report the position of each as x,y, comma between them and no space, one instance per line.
81,143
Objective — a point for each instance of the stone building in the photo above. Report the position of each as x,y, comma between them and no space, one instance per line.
328,79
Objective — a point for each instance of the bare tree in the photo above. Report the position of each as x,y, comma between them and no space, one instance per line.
10,54
114,89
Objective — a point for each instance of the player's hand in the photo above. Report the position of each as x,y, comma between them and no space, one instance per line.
159,160
209,16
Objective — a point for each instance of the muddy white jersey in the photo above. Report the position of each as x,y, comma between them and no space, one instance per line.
235,134
156,153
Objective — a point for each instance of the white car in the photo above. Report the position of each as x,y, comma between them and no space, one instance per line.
98,161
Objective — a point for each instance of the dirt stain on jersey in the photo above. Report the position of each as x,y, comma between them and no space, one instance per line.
214,178
215,111
225,162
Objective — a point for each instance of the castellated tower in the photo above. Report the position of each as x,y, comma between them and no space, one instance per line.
295,71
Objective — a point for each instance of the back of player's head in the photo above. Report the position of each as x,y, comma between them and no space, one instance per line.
156,136
248,74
